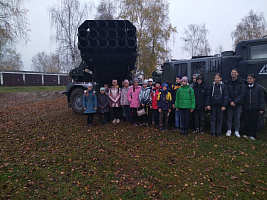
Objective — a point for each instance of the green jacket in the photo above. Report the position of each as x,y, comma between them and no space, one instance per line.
184,98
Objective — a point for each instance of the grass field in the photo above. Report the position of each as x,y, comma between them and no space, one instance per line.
48,152
31,88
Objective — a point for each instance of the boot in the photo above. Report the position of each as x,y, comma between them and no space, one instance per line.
182,131
185,131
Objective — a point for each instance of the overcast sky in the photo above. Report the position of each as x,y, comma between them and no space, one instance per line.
220,17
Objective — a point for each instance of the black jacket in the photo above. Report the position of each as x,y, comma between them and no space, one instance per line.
200,95
175,87
103,101
254,99
236,90
217,95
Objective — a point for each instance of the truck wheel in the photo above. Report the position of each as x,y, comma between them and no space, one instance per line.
76,101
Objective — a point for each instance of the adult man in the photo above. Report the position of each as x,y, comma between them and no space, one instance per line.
237,91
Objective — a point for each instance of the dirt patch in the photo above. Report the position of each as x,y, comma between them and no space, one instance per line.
8,99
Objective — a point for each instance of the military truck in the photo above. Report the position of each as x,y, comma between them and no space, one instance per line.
108,50
249,57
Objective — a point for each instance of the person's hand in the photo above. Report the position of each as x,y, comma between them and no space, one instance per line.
177,109
170,110
223,108
84,108
160,110
261,112
143,105
151,107
232,104
191,110
173,105
102,108
95,108
208,107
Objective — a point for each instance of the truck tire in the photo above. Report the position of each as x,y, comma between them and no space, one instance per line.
76,100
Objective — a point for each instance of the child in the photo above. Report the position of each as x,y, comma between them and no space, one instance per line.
114,96
89,104
164,106
254,105
145,101
200,91
103,107
154,106
175,87
217,101
133,97
185,103
124,100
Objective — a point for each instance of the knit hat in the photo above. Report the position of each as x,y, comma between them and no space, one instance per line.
145,82
196,75
125,81
185,79
135,80
102,88
199,77
150,80
158,82
89,85
165,84
180,77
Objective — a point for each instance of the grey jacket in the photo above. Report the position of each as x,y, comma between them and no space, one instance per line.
124,99
145,96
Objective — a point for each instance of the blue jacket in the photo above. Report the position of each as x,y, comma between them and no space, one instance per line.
89,101
164,100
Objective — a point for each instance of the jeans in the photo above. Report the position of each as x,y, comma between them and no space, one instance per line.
216,118
163,115
178,119
233,112
185,117
199,116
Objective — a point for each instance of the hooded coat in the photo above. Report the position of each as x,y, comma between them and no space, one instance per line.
185,98
145,96
133,96
217,95
200,91
89,101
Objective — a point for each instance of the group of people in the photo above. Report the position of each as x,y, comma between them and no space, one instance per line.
153,104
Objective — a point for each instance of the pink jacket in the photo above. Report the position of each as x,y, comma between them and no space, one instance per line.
133,96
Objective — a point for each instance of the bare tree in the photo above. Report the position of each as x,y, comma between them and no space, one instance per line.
66,18
10,59
43,62
252,26
106,10
151,19
13,21
195,40
219,49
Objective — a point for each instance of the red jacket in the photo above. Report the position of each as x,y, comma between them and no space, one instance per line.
154,95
